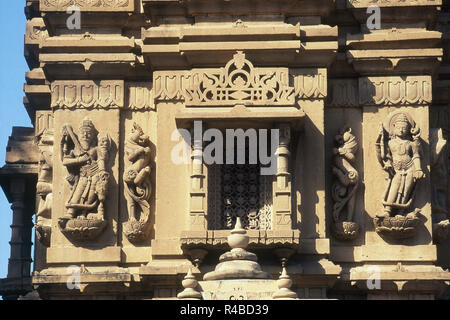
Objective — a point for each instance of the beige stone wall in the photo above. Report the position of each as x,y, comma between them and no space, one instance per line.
310,70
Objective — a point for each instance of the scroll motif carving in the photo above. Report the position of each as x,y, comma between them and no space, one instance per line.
44,187
87,94
238,83
412,90
85,158
137,185
399,154
345,186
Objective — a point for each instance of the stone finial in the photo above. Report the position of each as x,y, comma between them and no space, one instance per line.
237,263
238,237
189,284
284,288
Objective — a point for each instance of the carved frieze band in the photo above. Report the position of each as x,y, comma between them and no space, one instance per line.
86,94
87,5
139,96
412,90
343,93
239,82
310,83
368,91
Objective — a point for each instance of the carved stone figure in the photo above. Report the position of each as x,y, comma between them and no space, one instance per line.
137,184
399,154
439,184
44,187
85,160
345,186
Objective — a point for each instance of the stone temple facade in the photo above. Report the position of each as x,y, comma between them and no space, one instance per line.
130,98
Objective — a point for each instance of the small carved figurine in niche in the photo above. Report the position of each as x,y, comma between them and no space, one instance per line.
137,185
399,154
85,160
44,187
345,186
439,184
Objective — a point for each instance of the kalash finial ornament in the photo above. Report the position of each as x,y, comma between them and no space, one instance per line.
237,263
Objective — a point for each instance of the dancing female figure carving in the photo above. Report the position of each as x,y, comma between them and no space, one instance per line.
137,184
399,154
345,186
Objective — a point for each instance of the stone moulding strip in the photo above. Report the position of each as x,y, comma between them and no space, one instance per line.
84,94
258,238
392,3
88,5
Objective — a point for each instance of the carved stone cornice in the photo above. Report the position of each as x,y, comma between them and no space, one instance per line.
217,239
35,33
84,94
156,8
88,5
386,91
392,3
397,11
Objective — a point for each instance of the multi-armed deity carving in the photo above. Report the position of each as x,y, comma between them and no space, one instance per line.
399,153
85,157
137,185
44,187
345,186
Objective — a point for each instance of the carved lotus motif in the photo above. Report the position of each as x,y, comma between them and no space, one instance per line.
398,227
345,231
81,229
137,231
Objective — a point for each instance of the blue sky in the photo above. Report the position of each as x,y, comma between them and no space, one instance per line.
12,111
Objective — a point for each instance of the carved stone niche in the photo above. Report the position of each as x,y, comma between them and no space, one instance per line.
399,153
238,96
85,157
137,185
345,186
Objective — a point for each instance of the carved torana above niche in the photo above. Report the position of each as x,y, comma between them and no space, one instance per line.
240,83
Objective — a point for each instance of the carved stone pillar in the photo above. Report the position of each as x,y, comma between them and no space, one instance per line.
197,211
282,192
20,257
